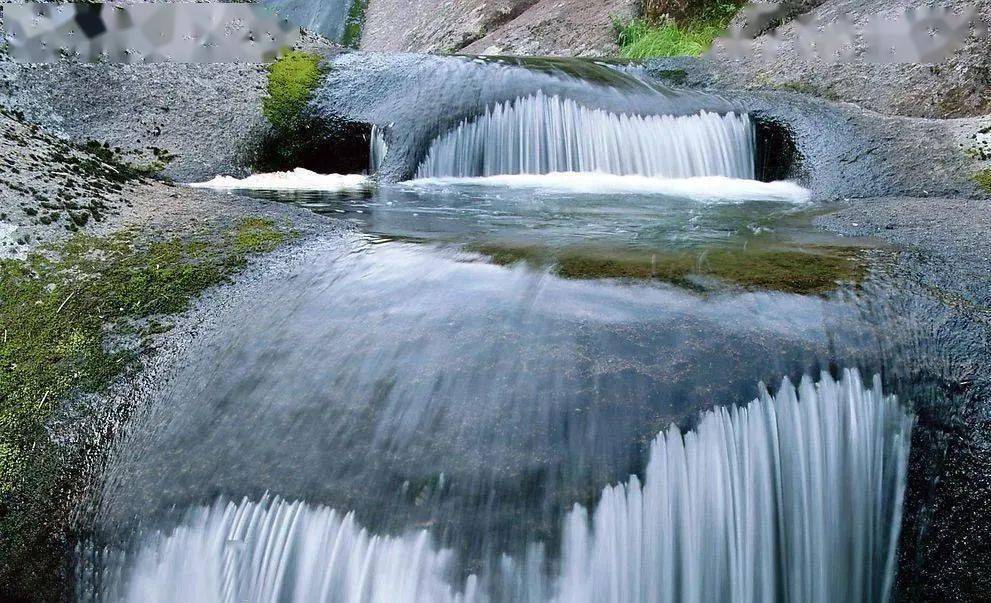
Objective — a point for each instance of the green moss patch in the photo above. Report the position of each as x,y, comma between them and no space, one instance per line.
292,78
56,310
808,270
298,137
983,180
356,20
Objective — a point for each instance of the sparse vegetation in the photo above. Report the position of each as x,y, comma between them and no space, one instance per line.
671,28
56,311
983,179
797,86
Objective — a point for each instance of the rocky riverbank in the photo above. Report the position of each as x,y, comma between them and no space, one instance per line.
96,259
88,152
939,293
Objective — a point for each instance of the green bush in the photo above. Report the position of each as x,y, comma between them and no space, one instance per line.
684,11
291,81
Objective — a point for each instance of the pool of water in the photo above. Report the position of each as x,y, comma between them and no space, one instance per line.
457,406
473,212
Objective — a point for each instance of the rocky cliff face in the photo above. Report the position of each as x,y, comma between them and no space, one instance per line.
958,87
534,27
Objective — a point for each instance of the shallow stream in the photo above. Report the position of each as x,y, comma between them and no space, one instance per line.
527,386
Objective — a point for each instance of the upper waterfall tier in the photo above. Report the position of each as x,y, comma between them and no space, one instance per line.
541,134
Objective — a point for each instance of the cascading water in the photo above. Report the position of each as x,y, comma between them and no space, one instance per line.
377,148
795,497
542,134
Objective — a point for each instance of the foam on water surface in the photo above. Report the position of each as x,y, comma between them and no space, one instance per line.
704,189
298,179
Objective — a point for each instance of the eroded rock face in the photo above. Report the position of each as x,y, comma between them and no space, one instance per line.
536,27
958,87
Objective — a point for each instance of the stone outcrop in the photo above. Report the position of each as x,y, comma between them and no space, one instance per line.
958,87
535,27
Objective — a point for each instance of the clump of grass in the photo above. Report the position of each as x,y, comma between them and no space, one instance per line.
641,40
983,180
56,309
808,271
684,31
292,78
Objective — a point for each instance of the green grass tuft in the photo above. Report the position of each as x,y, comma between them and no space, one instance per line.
641,40
666,37
55,311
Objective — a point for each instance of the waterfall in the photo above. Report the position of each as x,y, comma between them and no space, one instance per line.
795,497
276,550
377,148
540,134
330,18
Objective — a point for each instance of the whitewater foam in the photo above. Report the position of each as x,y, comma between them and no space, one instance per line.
706,189
794,497
298,179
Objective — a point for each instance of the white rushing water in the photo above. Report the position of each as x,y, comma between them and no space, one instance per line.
718,189
377,148
298,179
540,134
795,497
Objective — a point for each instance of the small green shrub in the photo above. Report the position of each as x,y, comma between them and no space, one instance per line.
291,81
983,179
684,11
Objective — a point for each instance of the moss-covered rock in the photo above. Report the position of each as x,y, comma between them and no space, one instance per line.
291,81
983,180
57,309
808,270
